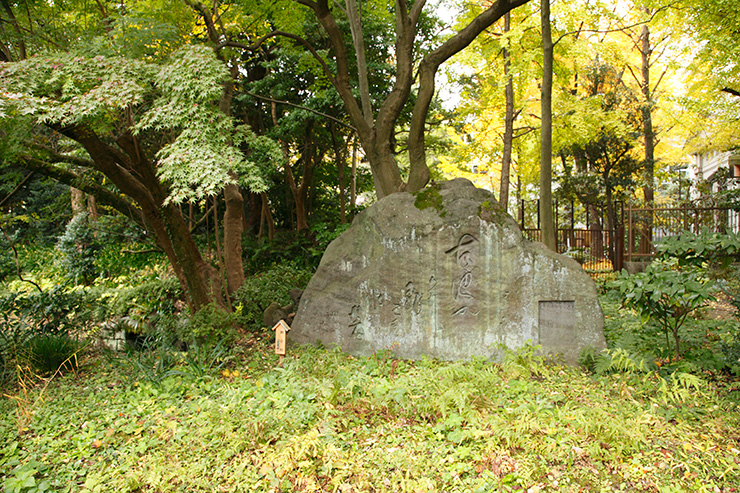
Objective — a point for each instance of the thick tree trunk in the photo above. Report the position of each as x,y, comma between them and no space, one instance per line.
92,208
376,135
77,200
386,175
234,219
419,172
548,226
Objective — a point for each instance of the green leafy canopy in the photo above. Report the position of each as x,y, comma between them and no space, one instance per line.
174,104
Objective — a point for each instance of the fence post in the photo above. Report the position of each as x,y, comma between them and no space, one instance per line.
521,213
629,233
619,249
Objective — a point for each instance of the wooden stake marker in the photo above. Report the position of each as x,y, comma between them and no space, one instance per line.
281,329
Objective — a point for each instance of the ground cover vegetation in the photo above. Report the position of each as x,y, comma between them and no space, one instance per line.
325,421
181,410
170,169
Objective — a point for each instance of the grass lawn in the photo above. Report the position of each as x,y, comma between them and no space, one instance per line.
326,421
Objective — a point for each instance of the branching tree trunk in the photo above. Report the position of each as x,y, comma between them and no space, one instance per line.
136,177
376,133
234,218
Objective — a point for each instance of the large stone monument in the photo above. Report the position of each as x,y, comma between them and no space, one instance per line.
447,274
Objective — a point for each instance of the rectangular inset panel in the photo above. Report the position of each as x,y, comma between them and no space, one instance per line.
557,323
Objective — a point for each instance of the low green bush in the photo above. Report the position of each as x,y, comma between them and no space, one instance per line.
51,352
210,323
52,311
665,295
304,249
697,249
14,332
707,345
272,285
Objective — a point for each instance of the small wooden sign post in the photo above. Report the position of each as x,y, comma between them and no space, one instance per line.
281,329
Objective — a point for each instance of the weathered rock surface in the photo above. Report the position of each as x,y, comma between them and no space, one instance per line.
447,274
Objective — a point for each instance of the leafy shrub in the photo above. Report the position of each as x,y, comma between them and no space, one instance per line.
148,307
695,249
729,348
305,250
273,285
77,247
210,323
14,332
111,263
665,295
53,311
50,352
707,345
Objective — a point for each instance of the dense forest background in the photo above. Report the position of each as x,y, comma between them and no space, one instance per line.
233,137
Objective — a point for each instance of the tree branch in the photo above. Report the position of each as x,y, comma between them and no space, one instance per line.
103,195
301,107
17,262
621,29
254,46
419,172
15,190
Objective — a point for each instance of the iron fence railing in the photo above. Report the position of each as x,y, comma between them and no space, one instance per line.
634,236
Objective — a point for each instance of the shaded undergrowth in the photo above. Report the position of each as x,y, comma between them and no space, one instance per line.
326,421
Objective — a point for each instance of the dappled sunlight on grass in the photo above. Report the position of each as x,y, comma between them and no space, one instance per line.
327,421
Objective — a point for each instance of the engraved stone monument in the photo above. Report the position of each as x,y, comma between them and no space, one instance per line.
447,274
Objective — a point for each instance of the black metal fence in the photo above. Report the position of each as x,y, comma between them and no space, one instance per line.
583,232
645,226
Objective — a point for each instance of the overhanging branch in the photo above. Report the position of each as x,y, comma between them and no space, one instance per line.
300,107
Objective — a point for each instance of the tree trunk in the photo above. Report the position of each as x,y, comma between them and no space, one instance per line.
267,221
353,179
234,219
646,236
136,177
77,200
233,229
254,216
92,208
339,157
548,226
376,135
508,122
21,43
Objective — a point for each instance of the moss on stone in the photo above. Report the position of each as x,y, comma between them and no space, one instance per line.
430,197
490,211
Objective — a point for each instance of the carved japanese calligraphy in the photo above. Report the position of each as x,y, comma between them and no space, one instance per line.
461,287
